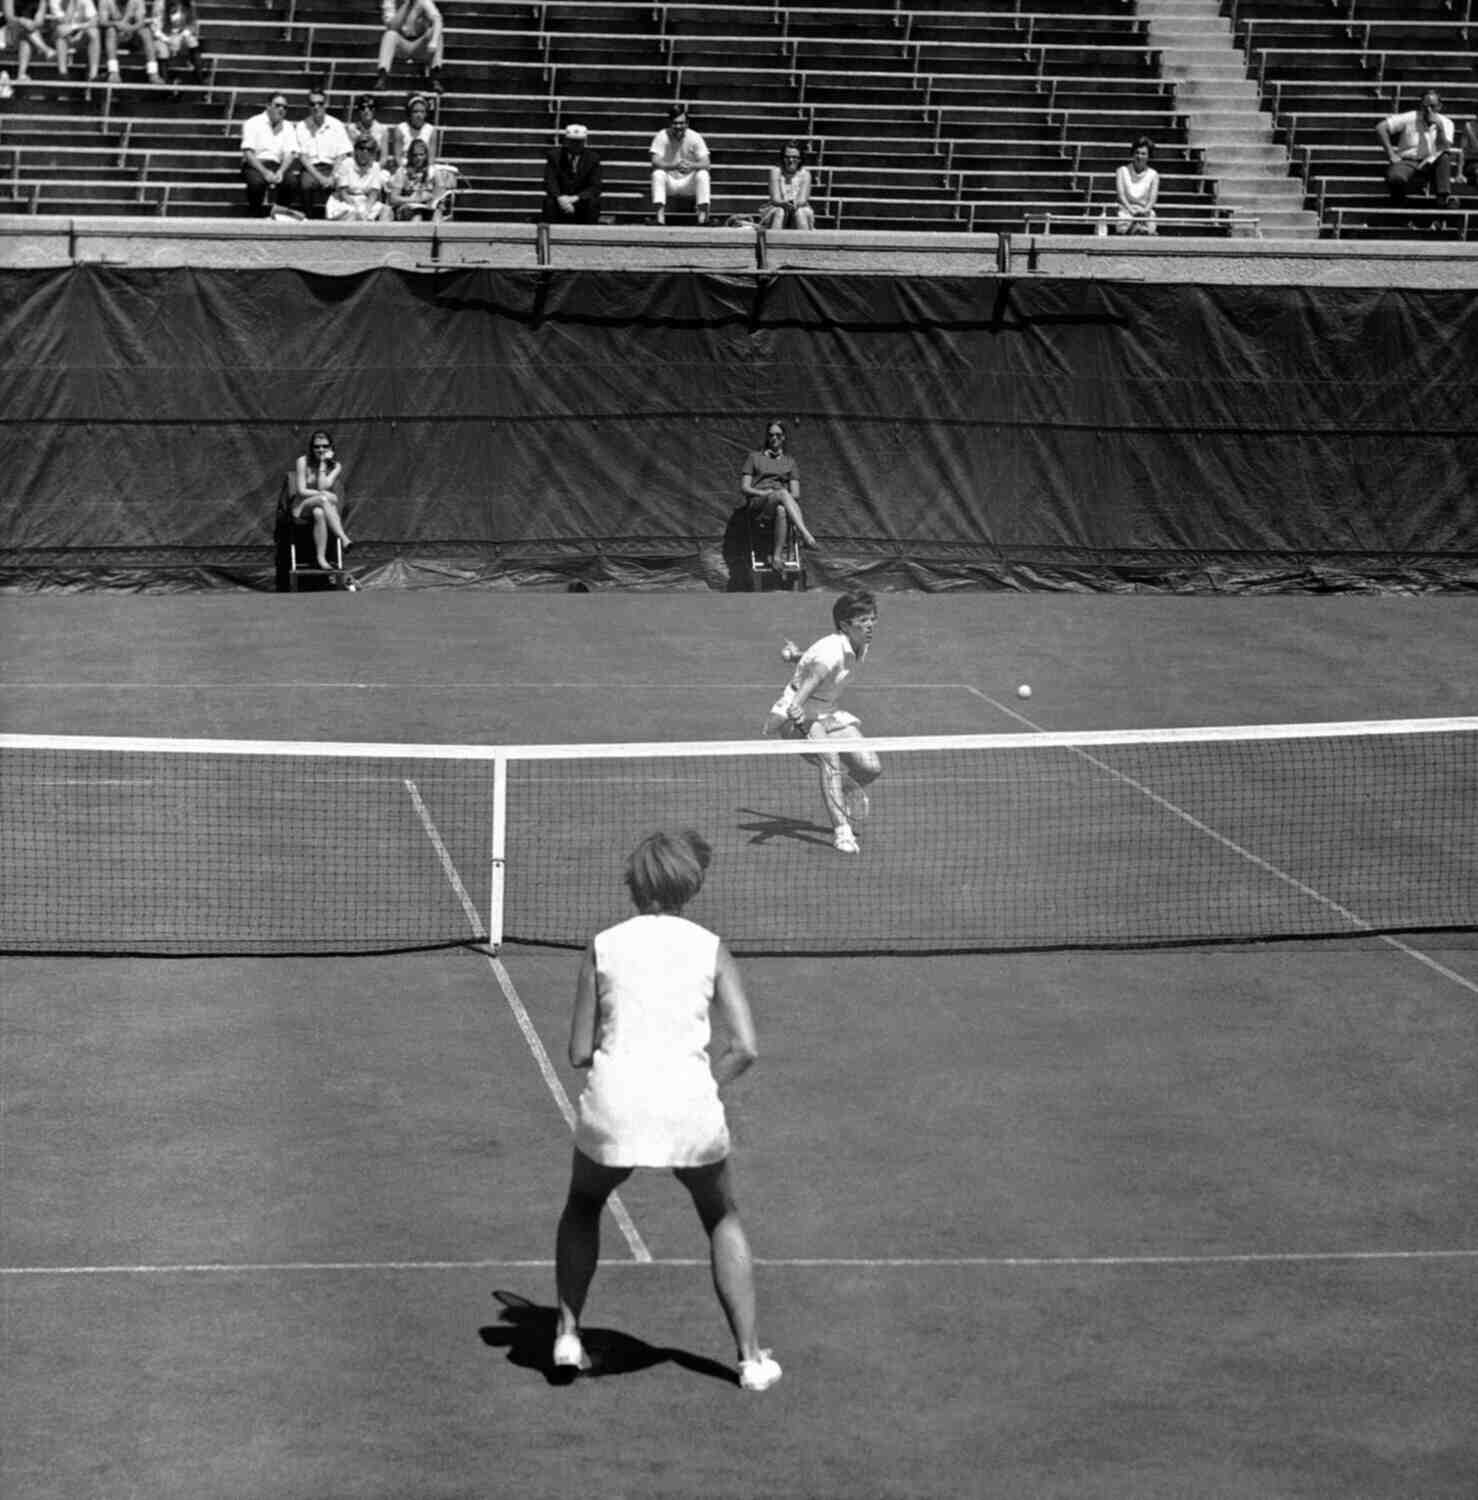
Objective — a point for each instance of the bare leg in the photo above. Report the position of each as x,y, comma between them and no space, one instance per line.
782,530
793,510
843,778
577,1241
335,525
320,537
728,1246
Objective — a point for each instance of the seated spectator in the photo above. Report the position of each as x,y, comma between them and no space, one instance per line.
572,180
771,483
316,495
363,122
416,126
680,163
1469,152
36,29
78,25
268,150
322,143
1420,145
1136,188
359,188
789,205
412,29
177,36
14,26
126,28
419,190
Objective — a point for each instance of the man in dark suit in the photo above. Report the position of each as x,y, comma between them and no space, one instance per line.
572,180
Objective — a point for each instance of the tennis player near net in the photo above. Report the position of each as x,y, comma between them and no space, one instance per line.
641,1025
807,709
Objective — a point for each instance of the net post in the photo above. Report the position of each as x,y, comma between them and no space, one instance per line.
498,852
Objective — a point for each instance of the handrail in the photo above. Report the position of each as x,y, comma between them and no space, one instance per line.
1101,224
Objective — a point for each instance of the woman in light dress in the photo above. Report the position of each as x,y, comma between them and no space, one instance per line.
359,187
641,1025
789,205
1137,185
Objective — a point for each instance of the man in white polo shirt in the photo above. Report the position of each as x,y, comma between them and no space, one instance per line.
268,148
322,143
1420,146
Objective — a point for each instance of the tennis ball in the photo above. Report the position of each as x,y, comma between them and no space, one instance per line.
1024,691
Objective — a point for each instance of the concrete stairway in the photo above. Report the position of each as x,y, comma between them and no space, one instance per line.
1225,118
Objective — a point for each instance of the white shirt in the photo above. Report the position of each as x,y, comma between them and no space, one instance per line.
1415,141
363,188
1136,192
404,135
328,145
833,657
272,146
686,155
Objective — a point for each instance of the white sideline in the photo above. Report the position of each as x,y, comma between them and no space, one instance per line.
627,1225
1357,923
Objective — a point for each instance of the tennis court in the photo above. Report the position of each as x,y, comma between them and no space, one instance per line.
1152,1222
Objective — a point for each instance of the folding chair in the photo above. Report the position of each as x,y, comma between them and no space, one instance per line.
763,574
297,563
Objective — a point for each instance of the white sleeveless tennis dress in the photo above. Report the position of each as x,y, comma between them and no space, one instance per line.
650,1100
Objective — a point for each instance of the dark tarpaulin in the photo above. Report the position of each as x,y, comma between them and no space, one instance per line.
509,426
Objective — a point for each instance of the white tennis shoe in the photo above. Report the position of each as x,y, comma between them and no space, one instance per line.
845,842
569,1355
758,1374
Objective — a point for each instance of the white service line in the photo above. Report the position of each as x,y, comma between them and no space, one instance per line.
781,1262
1357,923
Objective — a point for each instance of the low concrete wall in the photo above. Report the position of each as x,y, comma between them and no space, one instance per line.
342,249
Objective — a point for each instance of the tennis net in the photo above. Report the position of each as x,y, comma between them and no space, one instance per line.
984,842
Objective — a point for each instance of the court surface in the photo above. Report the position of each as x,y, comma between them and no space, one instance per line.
1094,1224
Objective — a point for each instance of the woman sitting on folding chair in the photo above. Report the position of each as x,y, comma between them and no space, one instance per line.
771,483
315,496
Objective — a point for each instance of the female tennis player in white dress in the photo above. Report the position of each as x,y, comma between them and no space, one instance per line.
641,1025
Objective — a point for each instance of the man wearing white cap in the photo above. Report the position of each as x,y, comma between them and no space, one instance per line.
679,166
572,180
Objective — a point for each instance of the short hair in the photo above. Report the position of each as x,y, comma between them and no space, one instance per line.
852,606
1142,140
676,112
777,422
665,871
364,101
790,146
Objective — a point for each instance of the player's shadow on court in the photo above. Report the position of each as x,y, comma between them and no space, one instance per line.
768,827
526,1331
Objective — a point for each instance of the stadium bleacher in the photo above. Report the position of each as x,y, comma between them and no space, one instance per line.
1327,73
912,115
